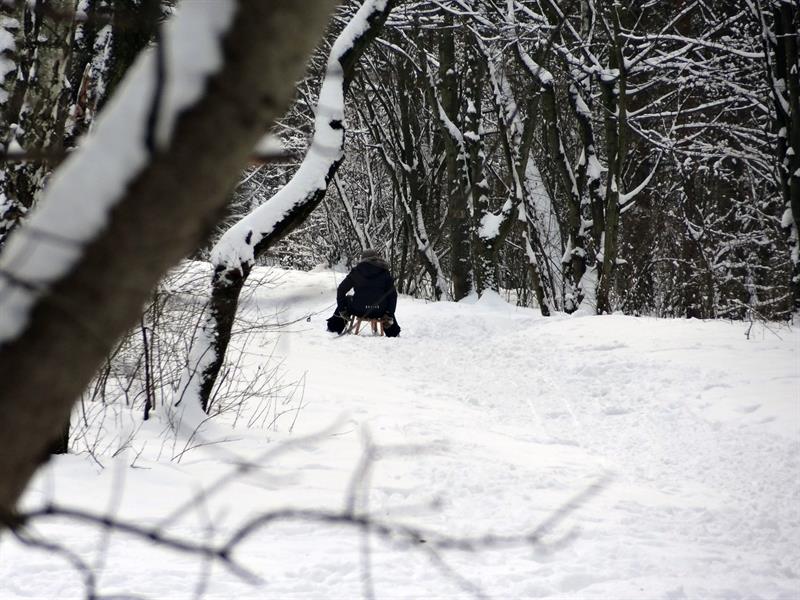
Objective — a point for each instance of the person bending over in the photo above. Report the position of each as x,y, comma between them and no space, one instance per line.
374,295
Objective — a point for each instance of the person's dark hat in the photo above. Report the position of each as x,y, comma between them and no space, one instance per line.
370,253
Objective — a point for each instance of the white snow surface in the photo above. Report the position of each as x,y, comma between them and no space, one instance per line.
497,417
83,191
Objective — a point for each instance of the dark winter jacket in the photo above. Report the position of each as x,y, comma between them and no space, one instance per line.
373,285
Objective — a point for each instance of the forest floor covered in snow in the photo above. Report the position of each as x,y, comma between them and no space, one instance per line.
651,459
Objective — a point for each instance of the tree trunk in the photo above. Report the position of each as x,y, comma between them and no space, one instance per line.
132,28
788,21
166,208
484,257
11,43
61,444
297,202
412,195
575,257
457,215
41,104
613,93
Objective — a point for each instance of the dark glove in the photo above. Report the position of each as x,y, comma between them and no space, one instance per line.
388,320
336,324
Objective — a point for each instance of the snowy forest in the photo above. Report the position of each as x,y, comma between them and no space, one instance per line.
589,209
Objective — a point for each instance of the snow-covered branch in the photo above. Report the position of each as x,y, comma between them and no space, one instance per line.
625,200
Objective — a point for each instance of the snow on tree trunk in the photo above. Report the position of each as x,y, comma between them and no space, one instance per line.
526,181
542,239
119,212
613,93
484,223
235,253
574,258
787,25
412,194
457,215
132,28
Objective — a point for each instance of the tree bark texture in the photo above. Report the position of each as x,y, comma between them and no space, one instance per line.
576,265
412,194
133,26
613,93
483,249
457,215
787,20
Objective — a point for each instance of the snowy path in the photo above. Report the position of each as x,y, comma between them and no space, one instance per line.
498,417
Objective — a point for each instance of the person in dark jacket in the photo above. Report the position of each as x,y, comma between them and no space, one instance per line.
374,295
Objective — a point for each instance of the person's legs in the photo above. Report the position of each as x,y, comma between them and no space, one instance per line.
341,316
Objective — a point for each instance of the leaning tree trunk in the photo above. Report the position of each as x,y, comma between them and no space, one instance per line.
253,235
62,304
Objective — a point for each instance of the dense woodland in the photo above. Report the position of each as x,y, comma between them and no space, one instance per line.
640,157
632,154
595,155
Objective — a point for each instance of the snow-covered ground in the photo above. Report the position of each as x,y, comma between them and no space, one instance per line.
683,437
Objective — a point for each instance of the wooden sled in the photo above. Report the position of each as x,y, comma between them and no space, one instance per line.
356,322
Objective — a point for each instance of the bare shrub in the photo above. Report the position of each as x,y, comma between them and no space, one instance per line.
143,373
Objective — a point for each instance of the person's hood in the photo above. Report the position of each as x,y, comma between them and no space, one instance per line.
372,266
